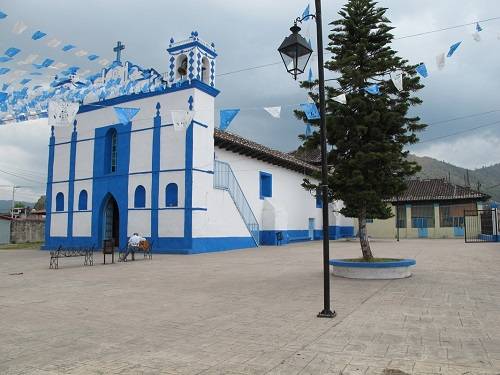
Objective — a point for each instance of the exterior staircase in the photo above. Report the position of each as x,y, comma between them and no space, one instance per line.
224,179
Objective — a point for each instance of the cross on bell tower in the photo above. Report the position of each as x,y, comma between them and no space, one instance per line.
118,49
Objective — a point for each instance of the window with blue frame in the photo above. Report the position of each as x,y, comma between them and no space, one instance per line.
60,202
266,185
82,201
319,199
171,195
111,157
140,197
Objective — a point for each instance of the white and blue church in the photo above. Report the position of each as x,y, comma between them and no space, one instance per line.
190,190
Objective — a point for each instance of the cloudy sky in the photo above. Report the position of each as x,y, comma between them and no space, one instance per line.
246,34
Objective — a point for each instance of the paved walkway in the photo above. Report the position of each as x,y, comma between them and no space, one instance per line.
252,312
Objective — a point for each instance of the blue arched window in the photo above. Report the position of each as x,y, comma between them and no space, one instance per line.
60,202
82,201
171,195
140,197
111,157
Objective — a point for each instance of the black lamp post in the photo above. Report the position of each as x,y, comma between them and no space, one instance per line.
295,52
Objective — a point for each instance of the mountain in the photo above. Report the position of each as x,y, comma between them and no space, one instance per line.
488,178
5,205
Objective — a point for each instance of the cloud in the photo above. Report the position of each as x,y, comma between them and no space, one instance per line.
471,151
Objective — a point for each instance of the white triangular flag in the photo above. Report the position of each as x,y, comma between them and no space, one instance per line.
273,111
476,37
53,43
103,62
342,99
19,27
62,113
440,61
28,60
182,119
59,65
81,53
397,79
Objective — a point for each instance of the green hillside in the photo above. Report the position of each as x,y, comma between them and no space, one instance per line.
487,177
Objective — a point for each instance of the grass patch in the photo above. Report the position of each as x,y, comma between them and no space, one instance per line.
23,246
374,260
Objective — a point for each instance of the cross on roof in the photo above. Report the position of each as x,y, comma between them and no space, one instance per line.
118,49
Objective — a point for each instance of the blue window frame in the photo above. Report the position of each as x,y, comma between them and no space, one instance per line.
266,185
60,202
82,201
171,195
140,197
319,199
111,157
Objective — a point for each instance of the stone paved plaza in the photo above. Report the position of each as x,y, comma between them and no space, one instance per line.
252,312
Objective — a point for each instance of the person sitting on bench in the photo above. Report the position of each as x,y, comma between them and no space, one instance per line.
133,245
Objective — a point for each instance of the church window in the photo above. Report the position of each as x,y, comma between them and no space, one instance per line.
266,185
171,195
111,158
182,67
60,202
82,200
205,70
319,199
140,197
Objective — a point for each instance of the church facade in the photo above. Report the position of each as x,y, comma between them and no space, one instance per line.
189,190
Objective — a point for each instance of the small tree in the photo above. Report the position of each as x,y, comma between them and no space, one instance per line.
40,204
368,135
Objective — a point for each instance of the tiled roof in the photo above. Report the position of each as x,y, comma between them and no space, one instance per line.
235,143
312,156
437,189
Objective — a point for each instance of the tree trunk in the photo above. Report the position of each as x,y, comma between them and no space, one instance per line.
363,236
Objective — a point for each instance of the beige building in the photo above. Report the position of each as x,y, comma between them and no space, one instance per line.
431,208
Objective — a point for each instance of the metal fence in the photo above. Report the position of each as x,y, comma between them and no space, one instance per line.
481,225
225,179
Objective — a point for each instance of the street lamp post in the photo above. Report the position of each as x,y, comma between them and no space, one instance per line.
295,52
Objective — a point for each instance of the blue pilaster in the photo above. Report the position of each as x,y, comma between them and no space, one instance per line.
155,178
188,181
48,192
71,180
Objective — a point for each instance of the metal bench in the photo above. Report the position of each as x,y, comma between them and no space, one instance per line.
87,253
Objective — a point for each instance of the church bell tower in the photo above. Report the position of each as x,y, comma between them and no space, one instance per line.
191,59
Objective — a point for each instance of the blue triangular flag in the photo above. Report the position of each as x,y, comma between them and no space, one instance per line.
226,116
4,71
5,59
478,27
92,57
310,78
3,96
125,115
38,35
12,51
311,111
373,89
5,86
422,70
2,15
305,13
308,130
25,81
45,64
453,48
68,47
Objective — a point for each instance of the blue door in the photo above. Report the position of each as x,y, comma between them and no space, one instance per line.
423,233
421,224
311,228
458,231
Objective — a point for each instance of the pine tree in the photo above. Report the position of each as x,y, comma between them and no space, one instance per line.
368,135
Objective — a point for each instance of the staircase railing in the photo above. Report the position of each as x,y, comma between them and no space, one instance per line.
225,179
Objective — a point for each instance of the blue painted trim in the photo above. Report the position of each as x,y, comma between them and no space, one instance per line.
128,98
71,183
136,173
268,237
336,232
167,208
265,185
395,264
188,180
191,45
155,178
48,192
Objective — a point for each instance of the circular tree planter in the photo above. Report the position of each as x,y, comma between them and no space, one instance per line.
377,270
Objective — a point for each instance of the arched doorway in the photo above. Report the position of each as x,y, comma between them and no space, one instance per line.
111,221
